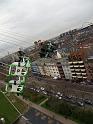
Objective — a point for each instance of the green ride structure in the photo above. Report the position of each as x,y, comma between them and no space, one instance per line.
18,72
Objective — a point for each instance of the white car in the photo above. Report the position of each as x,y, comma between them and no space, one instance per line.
81,103
55,78
44,92
42,88
61,94
58,93
37,90
60,98
31,88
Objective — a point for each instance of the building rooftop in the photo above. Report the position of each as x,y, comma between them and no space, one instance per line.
90,59
41,61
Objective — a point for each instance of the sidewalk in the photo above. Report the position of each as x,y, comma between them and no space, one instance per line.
48,113
43,101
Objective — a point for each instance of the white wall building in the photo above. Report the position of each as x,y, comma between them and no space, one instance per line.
48,67
66,69
52,70
41,69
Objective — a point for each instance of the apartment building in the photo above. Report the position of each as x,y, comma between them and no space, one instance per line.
77,66
89,68
66,68
78,70
41,69
48,67
52,70
40,65
60,69
69,41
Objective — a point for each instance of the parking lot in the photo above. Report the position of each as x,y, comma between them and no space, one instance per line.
36,117
73,99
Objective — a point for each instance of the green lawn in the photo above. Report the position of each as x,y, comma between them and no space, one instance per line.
7,110
34,97
75,113
20,105
2,88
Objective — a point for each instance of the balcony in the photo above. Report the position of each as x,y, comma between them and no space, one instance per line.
83,70
74,76
84,77
73,72
70,62
83,73
76,66
75,62
78,73
80,62
71,66
81,66
79,76
77,69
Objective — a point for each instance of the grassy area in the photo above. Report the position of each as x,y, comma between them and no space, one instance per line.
2,88
7,110
80,115
34,97
20,105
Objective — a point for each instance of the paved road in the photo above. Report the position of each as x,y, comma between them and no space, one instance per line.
65,86
87,88
44,112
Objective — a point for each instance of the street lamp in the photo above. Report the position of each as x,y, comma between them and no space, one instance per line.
2,120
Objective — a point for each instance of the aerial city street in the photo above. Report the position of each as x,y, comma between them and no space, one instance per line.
46,62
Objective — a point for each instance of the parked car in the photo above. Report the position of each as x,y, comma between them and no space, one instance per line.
87,101
80,103
60,97
55,78
42,88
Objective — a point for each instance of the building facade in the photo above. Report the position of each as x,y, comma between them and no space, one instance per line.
89,68
66,69
77,66
35,69
46,66
41,69
78,70
52,70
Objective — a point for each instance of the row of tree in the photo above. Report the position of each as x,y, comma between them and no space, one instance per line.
81,115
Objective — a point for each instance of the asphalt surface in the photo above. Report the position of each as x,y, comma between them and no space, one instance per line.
82,95
63,84
36,117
